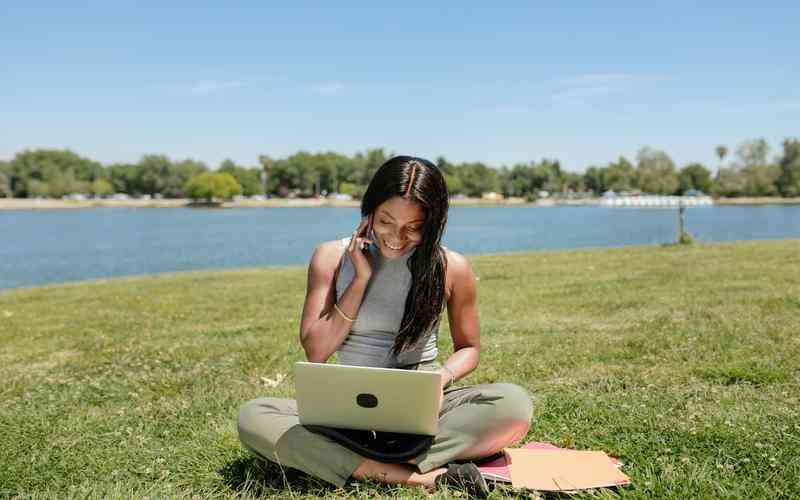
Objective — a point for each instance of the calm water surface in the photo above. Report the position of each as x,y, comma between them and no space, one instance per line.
38,247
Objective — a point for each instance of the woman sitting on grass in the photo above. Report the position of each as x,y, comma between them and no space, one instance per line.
375,299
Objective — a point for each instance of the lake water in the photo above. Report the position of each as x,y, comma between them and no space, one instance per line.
39,247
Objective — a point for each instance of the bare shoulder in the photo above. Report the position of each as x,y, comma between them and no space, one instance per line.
455,261
326,257
459,270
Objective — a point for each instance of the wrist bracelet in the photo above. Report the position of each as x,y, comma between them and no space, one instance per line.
348,318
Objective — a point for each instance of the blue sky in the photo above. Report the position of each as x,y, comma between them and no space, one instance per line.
583,82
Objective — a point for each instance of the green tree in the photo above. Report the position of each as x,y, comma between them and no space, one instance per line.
788,181
548,176
752,153
38,189
759,177
61,183
655,172
63,170
373,159
248,178
445,166
123,178
267,164
722,152
528,179
212,186
504,180
477,178
296,173
176,175
620,175
761,180
355,190
518,181
694,176
102,187
329,170
574,182
454,184
152,173
345,169
5,180
729,182
595,179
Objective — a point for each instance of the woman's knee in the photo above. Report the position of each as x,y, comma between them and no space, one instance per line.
247,422
249,414
259,422
514,410
515,403
504,424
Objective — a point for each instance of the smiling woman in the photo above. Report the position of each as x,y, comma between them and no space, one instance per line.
375,299
406,204
392,231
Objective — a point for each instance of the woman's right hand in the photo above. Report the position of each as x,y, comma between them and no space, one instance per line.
359,241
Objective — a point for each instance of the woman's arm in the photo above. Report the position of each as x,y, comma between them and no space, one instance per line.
462,312
322,329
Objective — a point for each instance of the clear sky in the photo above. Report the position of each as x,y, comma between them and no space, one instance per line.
582,82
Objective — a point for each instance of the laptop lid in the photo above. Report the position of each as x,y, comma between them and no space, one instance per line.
366,398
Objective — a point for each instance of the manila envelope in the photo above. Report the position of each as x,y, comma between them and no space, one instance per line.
568,470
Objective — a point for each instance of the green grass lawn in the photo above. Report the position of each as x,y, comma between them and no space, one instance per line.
682,361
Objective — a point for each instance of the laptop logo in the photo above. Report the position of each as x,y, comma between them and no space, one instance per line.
366,400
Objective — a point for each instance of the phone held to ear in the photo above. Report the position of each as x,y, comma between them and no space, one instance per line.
370,235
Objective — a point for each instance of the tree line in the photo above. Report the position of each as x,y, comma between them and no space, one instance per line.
750,172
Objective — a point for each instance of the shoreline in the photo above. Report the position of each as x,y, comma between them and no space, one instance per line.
764,200
55,204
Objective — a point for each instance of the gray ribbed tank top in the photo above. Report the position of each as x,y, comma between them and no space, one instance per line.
372,334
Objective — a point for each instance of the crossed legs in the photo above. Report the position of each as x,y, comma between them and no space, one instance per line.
476,421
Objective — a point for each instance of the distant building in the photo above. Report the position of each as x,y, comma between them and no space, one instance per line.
491,195
340,196
75,197
650,200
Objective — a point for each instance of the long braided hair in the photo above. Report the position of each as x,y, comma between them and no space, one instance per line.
420,181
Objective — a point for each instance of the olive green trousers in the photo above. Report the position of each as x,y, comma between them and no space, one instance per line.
475,421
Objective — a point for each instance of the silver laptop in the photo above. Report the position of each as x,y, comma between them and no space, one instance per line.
357,397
